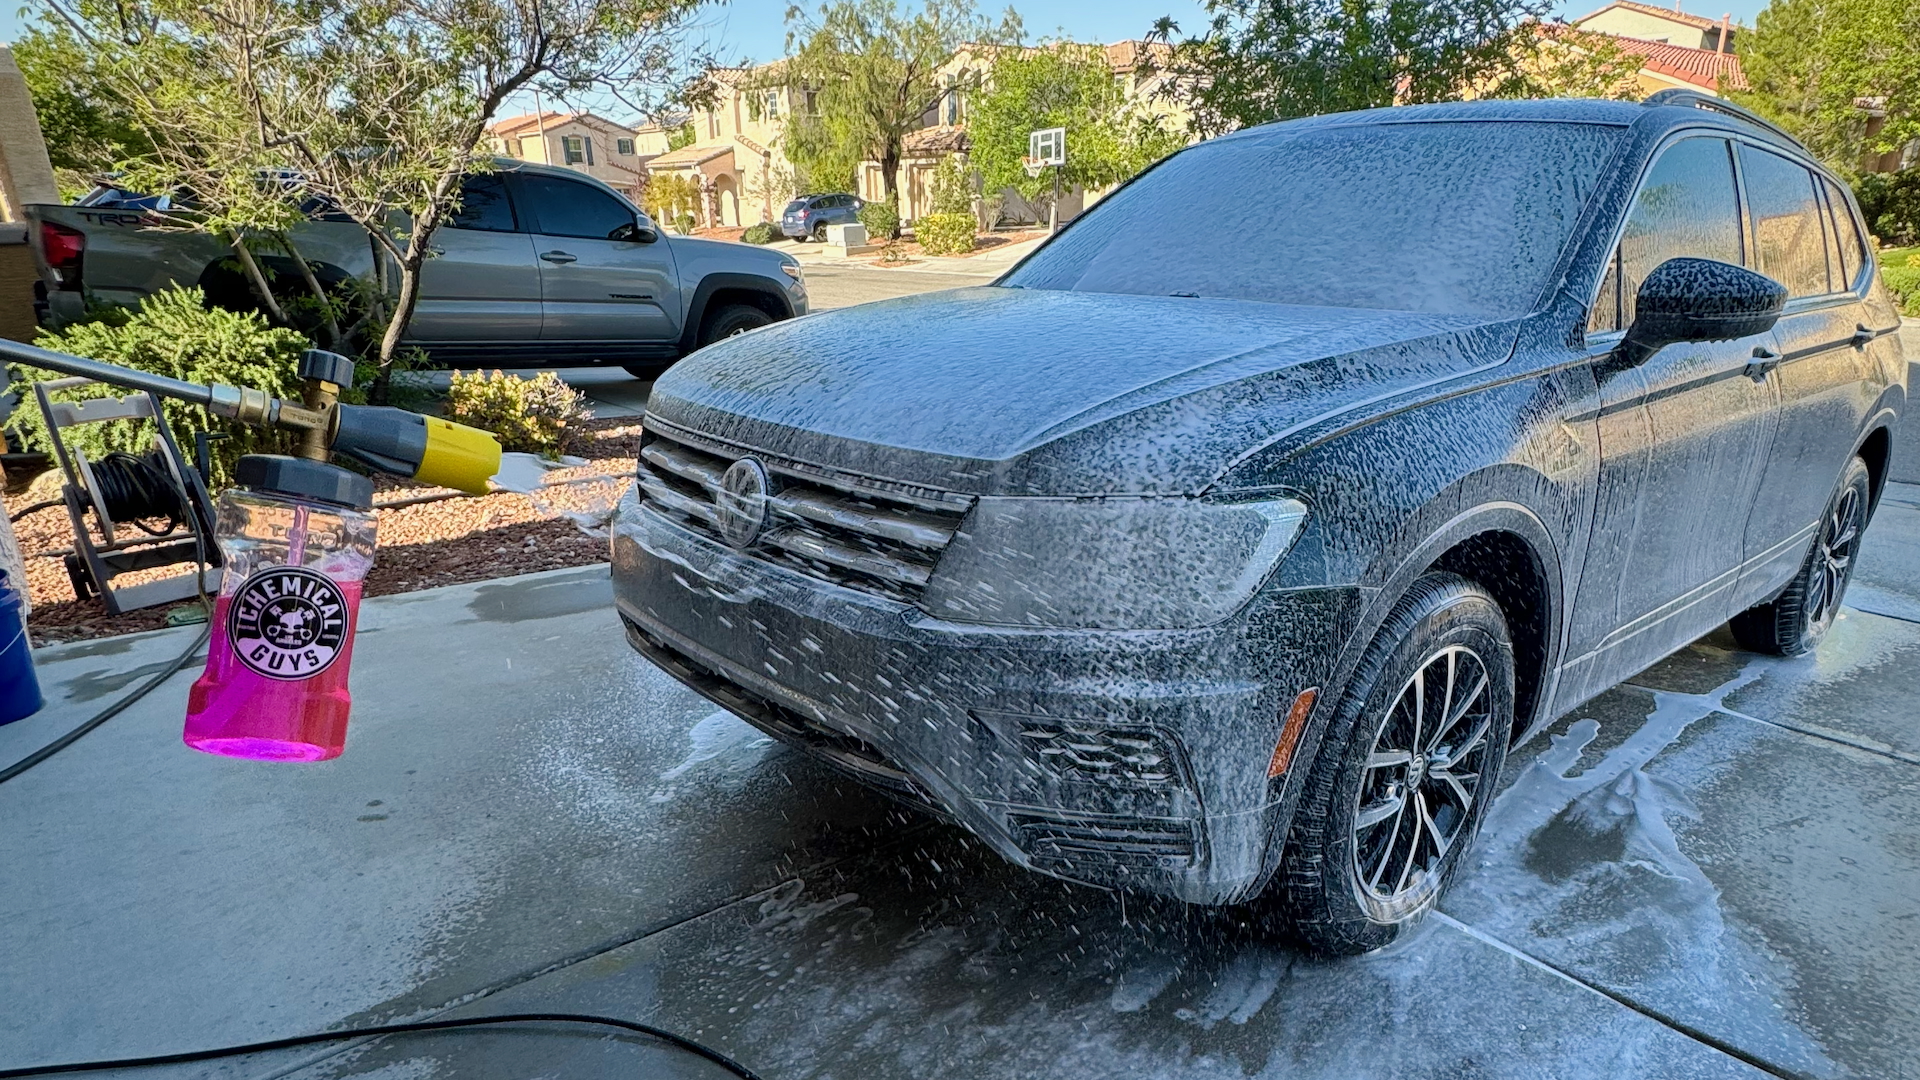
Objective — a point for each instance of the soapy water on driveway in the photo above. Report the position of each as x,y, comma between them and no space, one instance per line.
1708,872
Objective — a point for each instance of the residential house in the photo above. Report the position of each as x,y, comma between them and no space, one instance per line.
735,155
1675,49
609,152
1141,67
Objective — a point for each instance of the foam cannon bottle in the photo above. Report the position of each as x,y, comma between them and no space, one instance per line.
298,538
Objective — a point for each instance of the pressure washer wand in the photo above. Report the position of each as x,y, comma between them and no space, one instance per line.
297,537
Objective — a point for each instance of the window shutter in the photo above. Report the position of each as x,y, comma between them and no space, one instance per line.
587,141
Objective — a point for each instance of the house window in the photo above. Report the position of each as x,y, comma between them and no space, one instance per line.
773,105
624,146
574,149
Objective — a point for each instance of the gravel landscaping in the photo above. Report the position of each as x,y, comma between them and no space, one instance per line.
445,541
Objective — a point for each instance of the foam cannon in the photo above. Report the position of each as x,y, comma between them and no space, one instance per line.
293,539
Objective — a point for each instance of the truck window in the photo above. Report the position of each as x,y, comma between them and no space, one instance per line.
484,205
566,208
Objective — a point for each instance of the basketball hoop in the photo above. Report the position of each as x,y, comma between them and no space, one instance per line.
1034,166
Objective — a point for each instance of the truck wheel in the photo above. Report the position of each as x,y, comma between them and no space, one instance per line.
1795,621
1403,777
646,372
732,319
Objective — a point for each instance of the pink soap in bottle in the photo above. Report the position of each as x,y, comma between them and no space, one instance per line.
298,542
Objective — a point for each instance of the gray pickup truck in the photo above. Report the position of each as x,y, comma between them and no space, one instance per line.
542,265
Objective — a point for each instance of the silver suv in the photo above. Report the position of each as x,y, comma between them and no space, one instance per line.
541,265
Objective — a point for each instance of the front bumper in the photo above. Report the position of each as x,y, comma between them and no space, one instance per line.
1030,738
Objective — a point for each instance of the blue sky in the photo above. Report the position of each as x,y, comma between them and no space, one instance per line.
756,29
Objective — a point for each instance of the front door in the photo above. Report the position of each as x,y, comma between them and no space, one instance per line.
1682,437
1827,382
480,282
598,283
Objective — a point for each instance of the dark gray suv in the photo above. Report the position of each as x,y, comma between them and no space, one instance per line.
1223,547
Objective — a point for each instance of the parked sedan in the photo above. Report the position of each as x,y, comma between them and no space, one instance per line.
808,216
1224,547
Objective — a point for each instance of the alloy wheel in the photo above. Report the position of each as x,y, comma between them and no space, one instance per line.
1420,782
1833,557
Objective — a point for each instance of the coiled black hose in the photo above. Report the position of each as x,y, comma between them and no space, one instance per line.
138,488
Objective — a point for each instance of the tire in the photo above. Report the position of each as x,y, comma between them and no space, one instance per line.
732,319
820,233
646,372
1795,621
1351,832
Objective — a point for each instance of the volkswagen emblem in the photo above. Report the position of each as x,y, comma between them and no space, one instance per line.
742,503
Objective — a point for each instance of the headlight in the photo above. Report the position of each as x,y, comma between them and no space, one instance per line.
1111,563
792,270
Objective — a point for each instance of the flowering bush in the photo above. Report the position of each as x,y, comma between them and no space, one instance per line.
945,234
540,415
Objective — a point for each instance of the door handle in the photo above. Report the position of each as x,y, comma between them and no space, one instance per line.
1764,360
558,257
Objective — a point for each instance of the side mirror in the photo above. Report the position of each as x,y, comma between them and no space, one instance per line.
1700,300
640,232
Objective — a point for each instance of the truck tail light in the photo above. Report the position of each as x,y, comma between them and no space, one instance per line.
63,249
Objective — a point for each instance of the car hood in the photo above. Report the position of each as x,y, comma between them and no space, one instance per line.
1001,391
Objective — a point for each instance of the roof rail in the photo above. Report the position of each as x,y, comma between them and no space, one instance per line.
1701,100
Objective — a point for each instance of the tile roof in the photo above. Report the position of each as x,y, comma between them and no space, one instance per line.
1701,67
687,157
1671,14
941,139
520,125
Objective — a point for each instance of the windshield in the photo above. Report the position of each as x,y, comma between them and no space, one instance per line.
1455,217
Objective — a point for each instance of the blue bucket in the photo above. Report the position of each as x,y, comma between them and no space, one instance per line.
19,686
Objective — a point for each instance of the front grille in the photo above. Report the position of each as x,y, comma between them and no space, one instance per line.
1092,844
838,528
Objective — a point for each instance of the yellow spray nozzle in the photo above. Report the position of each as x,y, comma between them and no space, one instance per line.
458,457
426,448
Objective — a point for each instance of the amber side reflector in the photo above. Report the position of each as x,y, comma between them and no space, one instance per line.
1290,734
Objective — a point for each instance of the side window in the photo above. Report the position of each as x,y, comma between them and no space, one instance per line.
1847,230
1687,207
484,205
1786,222
565,208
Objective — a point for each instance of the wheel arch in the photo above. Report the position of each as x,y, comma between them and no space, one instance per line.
717,289
1875,447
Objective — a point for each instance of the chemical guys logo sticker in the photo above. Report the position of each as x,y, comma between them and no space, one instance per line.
287,622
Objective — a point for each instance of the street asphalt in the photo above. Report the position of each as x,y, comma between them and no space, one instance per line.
1711,871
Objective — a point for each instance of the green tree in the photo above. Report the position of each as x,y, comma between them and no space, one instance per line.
1556,61
379,108
869,71
1263,60
1064,85
88,129
1811,64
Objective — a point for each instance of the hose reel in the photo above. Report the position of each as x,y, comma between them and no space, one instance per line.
121,495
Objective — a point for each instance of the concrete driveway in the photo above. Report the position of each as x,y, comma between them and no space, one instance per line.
1710,872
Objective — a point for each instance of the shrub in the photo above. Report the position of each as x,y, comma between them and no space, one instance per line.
1891,203
882,222
1904,283
684,224
945,234
540,415
952,188
763,233
172,333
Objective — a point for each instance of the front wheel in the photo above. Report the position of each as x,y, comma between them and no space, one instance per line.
1795,621
733,319
1402,781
